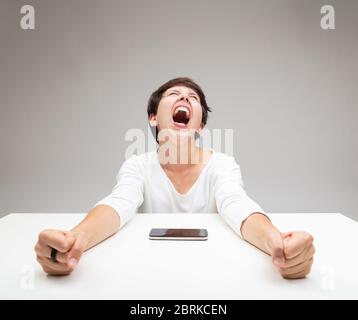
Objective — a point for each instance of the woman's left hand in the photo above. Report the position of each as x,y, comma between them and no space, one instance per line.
292,253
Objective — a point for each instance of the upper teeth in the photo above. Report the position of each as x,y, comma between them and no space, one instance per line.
182,108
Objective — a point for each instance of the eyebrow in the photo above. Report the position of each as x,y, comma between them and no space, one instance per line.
176,90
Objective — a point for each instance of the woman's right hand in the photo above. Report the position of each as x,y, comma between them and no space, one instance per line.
69,245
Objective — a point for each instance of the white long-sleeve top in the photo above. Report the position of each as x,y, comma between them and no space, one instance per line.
143,186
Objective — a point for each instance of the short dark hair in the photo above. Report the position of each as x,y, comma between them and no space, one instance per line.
156,96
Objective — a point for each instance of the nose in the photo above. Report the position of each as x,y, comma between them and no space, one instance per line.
184,97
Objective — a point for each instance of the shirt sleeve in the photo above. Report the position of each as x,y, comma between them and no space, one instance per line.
127,195
233,204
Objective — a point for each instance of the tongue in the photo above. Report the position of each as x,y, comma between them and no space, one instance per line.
180,117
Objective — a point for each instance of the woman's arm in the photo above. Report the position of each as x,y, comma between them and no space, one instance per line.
99,224
256,229
292,253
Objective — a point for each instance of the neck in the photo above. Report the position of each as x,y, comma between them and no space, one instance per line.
180,156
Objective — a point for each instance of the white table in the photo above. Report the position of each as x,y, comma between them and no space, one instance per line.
130,266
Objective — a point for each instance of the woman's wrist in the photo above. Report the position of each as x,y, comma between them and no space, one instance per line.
78,230
258,229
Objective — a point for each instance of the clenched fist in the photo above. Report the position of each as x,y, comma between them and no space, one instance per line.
292,253
69,245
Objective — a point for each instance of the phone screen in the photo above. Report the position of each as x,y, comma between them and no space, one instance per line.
178,234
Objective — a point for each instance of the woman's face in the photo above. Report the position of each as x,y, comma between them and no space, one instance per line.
178,109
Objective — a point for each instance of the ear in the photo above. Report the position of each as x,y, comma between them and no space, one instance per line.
153,120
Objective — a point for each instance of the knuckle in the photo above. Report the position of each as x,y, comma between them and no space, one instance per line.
43,235
67,269
37,247
70,269
295,275
55,272
311,253
310,263
286,275
308,238
62,247
67,244
283,272
313,250
306,272
46,269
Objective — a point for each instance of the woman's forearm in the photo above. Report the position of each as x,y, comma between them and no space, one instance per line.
256,230
99,224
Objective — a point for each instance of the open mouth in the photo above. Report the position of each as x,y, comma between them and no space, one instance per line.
181,115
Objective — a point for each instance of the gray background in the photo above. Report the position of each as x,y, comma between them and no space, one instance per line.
70,89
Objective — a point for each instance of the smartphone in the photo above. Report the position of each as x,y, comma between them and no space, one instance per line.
178,234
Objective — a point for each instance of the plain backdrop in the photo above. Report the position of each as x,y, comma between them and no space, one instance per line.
71,88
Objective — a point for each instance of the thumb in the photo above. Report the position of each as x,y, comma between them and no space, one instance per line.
277,248
76,251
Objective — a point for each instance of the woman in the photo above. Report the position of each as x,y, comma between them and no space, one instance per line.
178,177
